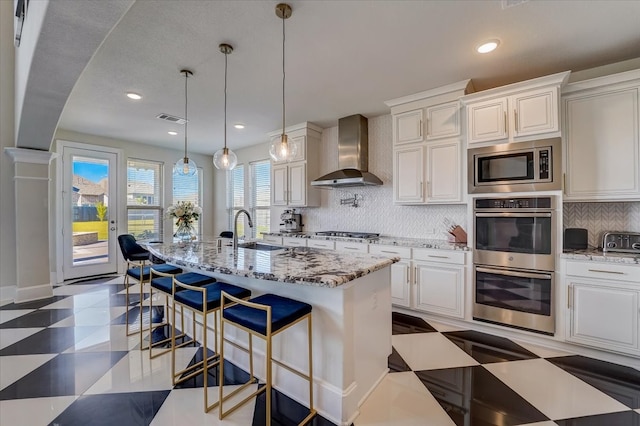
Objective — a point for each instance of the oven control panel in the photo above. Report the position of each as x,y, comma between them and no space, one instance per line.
513,203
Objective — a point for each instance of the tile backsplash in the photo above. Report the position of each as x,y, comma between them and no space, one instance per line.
601,217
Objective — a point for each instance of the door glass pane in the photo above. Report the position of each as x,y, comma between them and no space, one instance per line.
90,210
530,235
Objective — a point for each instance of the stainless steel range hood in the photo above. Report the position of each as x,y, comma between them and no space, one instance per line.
353,156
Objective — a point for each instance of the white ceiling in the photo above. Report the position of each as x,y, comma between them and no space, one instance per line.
343,57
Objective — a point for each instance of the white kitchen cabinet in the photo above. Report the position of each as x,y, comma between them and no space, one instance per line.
439,288
407,127
408,175
602,138
294,242
401,288
444,171
352,247
603,308
322,244
272,239
515,112
443,121
291,181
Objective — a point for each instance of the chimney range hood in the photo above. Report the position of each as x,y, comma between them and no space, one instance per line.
353,152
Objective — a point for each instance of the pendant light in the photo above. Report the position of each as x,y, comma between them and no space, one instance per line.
184,166
281,149
225,159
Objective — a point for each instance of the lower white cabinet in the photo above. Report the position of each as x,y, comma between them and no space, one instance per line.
401,287
272,239
603,308
352,247
323,244
294,242
439,288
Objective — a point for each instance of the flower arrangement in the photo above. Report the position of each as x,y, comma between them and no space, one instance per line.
186,213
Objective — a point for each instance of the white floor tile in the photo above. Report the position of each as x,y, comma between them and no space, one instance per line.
106,338
15,367
81,301
8,315
9,336
427,351
91,317
542,351
443,328
136,373
33,411
186,407
402,400
553,391
638,411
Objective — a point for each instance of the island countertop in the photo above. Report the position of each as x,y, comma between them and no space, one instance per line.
300,265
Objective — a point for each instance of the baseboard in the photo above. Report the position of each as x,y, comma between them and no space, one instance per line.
35,292
7,294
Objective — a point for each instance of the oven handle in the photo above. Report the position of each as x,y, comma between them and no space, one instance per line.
509,214
513,273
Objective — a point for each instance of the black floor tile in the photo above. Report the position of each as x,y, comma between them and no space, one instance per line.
486,348
232,374
405,324
134,316
49,341
396,363
39,318
619,382
284,411
66,374
123,409
36,304
624,418
474,396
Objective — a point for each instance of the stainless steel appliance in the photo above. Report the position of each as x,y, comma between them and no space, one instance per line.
514,261
516,167
621,242
348,234
291,221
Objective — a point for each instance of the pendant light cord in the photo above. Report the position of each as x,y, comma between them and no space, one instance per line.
283,78
186,117
226,55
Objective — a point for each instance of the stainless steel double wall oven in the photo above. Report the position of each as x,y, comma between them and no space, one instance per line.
514,261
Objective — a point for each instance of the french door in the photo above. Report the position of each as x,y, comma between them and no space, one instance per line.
89,210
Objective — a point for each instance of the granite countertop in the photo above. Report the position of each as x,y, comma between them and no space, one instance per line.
386,240
596,255
300,265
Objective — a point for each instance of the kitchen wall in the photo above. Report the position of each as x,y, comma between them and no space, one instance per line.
602,217
376,211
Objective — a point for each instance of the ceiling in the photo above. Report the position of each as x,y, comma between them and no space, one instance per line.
342,58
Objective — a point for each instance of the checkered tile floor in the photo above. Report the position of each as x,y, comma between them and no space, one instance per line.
66,361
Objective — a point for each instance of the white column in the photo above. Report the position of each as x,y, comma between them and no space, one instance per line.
31,183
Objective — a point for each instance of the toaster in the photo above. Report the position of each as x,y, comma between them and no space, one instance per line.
621,242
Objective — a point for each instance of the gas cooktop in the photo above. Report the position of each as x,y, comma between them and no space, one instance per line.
347,234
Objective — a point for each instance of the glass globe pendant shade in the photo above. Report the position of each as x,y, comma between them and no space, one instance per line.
282,150
185,167
225,159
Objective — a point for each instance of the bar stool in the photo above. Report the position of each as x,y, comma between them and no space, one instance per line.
264,316
163,283
203,300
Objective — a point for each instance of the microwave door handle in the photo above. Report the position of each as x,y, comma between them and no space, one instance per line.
509,214
512,273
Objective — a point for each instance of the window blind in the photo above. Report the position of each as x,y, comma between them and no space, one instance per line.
144,198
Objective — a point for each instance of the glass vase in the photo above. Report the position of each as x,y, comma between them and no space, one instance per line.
185,233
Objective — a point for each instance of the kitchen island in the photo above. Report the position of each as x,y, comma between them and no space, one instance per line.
351,298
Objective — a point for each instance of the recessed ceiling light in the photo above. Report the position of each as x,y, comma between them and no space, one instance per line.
133,96
172,133
488,46
239,126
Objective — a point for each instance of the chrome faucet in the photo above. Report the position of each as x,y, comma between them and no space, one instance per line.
235,227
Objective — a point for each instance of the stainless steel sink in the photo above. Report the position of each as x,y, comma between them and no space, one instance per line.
253,245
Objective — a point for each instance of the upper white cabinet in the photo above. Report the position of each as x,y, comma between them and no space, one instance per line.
427,131
515,112
291,181
602,138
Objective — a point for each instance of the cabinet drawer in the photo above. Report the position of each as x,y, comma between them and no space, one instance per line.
608,271
352,247
272,239
323,244
403,252
294,242
440,256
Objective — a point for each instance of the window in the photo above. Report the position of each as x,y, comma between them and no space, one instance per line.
235,193
144,202
261,197
188,188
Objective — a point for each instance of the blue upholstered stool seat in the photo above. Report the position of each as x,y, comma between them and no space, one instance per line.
193,298
165,284
284,311
146,271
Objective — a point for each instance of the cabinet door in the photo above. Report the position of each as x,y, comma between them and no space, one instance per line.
439,289
352,247
444,173
297,184
279,187
407,127
408,175
401,284
294,242
487,120
535,112
601,135
443,121
603,316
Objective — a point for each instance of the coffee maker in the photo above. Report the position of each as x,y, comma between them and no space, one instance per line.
291,221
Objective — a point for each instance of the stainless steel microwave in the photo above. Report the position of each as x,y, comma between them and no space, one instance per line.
515,167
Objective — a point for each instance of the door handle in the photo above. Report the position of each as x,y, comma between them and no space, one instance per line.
113,228
515,119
